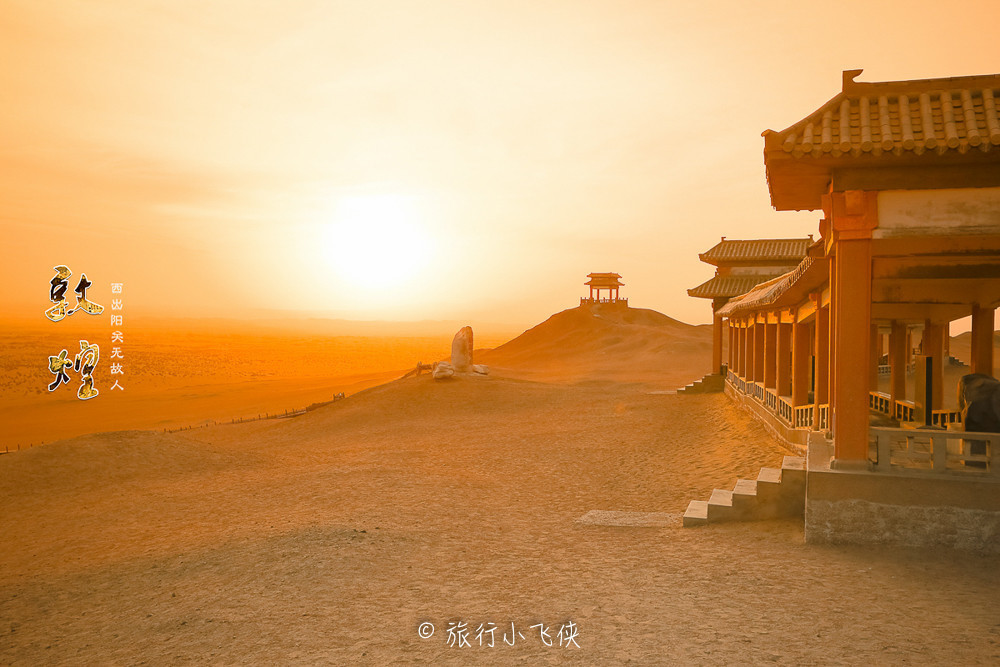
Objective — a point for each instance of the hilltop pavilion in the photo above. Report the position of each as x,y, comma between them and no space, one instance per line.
604,281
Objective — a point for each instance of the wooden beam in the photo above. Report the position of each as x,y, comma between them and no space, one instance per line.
954,244
983,174
806,311
937,267
918,312
925,290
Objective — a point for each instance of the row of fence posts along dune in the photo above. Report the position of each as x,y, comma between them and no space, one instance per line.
293,412
261,416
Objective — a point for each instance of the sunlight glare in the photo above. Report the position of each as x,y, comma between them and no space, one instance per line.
376,241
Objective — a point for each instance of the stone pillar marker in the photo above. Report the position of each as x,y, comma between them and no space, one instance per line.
461,350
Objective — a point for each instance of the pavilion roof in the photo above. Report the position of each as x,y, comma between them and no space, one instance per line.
893,123
604,280
756,251
785,290
723,286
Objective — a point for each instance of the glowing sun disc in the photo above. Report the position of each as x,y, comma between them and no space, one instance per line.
376,241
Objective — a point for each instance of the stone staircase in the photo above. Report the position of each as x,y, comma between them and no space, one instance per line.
713,383
777,492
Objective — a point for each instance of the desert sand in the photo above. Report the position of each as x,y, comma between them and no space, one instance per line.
331,537
179,374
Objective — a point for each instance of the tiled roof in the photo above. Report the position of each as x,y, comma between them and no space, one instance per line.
954,114
925,123
604,280
727,286
788,251
785,290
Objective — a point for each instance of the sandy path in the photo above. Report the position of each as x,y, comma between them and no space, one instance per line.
331,537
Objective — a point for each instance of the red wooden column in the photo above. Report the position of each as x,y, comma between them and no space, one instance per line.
873,350
800,363
854,216
897,362
770,354
717,343
831,349
822,393
741,348
729,354
933,346
748,346
758,351
783,358
982,340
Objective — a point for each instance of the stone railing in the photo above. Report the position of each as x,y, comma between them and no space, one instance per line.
904,411
785,409
933,450
824,417
803,416
880,402
770,399
585,301
945,417
758,392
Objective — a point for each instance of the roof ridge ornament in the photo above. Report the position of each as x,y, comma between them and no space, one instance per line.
849,78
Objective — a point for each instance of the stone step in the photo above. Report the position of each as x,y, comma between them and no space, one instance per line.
745,491
777,492
720,505
721,497
793,477
769,476
794,463
696,513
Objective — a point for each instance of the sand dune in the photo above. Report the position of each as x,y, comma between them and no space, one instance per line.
330,537
610,343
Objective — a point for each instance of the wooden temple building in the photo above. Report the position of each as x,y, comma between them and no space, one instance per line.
907,176
603,281
741,265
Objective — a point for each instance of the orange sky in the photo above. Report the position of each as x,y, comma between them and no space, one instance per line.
404,160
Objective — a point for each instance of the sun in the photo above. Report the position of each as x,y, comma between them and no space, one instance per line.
376,241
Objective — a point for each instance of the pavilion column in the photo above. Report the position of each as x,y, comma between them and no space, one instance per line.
832,347
854,214
874,358
758,351
729,354
717,344
800,363
740,334
898,337
933,346
746,360
782,374
852,349
747,351
821,395
770,350
982,340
